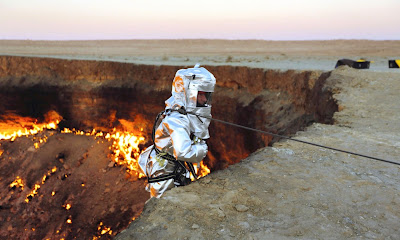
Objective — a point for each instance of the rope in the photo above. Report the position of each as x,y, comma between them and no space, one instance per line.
297,140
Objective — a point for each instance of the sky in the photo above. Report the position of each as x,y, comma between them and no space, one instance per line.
206,19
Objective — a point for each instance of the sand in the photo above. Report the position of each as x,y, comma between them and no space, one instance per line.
299,55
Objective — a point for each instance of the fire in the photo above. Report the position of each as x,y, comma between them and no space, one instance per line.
201,170
125,147
102,230
14,126
32,193
42,140
124,144
37,185
17,183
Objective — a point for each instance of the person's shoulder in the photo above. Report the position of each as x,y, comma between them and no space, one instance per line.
176,117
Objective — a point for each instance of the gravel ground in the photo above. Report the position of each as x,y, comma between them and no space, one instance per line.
298,191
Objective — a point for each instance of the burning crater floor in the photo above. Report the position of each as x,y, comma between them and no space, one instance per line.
68,185
84,195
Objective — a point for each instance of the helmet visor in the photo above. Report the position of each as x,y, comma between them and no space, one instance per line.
203,99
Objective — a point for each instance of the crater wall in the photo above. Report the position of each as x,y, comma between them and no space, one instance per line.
104,95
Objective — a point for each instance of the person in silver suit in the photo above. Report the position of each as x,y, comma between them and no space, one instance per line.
179,132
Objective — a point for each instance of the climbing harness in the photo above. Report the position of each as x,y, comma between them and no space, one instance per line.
296,140
180,167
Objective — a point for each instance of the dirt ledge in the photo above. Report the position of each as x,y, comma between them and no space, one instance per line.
297,191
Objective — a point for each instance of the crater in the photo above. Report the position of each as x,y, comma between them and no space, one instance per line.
102,198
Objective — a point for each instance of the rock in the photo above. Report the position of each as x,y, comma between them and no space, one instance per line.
241,208
221,213
111,164
195,226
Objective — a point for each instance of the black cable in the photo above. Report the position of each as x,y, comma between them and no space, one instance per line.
297,140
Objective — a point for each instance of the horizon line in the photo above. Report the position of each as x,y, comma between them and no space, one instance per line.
183,39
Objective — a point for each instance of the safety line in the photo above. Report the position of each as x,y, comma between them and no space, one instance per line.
297,140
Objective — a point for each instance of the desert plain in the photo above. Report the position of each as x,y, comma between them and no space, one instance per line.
289,190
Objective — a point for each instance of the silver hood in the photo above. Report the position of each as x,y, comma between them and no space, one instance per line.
185,87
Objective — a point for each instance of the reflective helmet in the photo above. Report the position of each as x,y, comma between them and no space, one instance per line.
192,89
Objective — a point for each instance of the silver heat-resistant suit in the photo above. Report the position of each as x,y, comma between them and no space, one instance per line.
180,134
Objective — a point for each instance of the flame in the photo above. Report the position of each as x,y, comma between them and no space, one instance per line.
125,147
32,193
67,206
18,182
37,185
36,128
41,140
201,170
69,221
102,230
125,144
14,126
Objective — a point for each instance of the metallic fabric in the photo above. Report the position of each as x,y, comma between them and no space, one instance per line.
172,135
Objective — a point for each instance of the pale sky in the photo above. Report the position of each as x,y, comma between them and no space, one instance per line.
215,19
